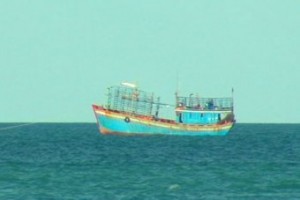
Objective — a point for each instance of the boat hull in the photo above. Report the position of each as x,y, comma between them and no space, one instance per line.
113,122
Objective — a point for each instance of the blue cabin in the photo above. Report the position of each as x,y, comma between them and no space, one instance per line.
190,117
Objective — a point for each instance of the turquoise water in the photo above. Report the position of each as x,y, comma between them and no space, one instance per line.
73,161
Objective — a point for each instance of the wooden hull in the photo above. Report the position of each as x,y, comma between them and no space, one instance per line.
114,122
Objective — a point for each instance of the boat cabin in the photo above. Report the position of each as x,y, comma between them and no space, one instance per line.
203,111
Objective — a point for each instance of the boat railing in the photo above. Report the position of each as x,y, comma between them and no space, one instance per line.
132,100
197,103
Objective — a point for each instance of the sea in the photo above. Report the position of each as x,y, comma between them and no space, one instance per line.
74,161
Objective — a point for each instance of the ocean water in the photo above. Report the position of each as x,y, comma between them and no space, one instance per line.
73,161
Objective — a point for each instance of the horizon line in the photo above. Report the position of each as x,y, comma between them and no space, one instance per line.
65,122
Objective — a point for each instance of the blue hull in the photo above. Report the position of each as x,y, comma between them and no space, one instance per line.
116,124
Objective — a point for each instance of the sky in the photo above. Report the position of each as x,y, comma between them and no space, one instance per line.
58,57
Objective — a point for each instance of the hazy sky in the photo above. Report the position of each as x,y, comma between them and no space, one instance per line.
58,57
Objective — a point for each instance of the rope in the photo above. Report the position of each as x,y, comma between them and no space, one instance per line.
17,126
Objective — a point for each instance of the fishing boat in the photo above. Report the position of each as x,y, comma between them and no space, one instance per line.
130,110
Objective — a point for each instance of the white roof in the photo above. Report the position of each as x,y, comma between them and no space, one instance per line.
132,85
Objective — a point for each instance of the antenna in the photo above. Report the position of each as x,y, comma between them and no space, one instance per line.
232,94
177,87
177,83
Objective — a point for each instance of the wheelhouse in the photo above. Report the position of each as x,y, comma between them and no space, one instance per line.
202,111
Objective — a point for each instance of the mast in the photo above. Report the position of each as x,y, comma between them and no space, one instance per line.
232,94
177,89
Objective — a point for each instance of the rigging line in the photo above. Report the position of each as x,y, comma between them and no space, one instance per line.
17,126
